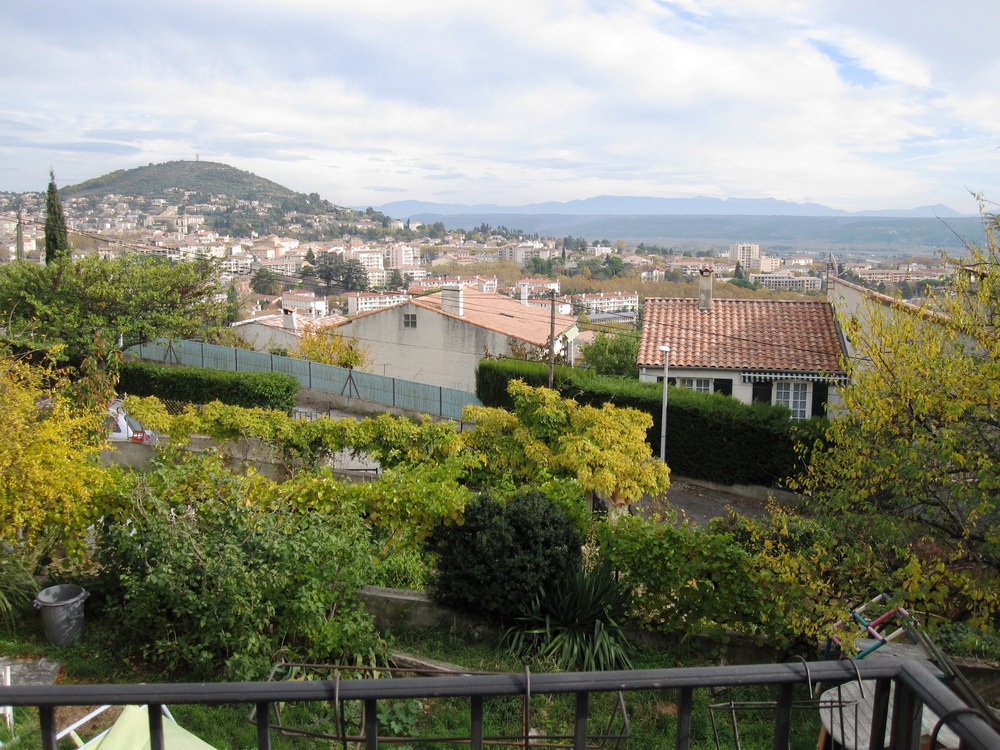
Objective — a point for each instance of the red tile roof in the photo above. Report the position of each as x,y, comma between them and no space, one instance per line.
742,334
502,314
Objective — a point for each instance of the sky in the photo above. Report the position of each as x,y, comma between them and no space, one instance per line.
853,104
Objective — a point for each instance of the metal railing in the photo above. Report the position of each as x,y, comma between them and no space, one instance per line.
339,381
909,684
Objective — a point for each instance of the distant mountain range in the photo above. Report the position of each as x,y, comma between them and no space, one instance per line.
620,205
691,223
674,222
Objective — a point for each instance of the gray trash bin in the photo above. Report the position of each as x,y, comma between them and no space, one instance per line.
62,612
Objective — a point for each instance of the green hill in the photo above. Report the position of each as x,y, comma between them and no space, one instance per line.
203,177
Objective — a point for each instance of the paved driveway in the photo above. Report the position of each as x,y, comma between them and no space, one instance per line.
700,504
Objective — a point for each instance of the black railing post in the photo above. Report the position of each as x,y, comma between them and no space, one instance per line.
582,714
263,726
783,719
907,711
47,724
684,718
880,709
155,711
371,725
476,727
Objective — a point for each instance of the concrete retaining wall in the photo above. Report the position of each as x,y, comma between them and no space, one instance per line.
413,610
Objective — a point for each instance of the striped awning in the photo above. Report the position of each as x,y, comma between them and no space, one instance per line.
765,376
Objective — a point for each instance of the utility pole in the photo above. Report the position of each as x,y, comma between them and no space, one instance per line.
552,342
665,349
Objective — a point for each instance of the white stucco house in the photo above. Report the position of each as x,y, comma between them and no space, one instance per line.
440,338
777,351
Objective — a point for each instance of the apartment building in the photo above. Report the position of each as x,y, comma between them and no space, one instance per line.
786,282
361,302
605,302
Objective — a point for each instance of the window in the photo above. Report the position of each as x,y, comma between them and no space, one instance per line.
793,395
695,384
723,386
409,320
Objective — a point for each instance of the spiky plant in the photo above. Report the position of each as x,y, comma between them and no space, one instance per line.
577,623
17,586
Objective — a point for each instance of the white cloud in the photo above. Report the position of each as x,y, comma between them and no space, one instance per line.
852,104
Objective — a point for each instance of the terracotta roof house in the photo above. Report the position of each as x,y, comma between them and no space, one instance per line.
777,351
440,338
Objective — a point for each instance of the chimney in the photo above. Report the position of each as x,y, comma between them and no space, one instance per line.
524,294
706,275
288,319
453,300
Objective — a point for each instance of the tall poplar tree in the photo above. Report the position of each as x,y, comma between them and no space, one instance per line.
56,238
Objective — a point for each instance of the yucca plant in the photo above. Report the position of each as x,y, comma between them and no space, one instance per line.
577,623
17,586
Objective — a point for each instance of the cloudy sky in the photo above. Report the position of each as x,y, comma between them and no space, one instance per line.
855,104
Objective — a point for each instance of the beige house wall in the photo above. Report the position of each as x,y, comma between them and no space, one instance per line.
441,350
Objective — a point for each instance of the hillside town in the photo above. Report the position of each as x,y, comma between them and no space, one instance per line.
178,226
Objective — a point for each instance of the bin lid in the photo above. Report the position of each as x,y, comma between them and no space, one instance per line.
64,593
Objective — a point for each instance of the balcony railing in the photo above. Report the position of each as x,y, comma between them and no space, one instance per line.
902,689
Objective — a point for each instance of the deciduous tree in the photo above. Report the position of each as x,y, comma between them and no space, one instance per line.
329,346
604,448
915,458
613,354
130,299
264,281
51,478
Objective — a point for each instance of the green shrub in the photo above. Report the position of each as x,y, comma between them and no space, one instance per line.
503,554
196,385
577,623
206,583
964,639
710,436
400,567
686,579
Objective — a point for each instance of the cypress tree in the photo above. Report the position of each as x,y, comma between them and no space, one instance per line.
56,237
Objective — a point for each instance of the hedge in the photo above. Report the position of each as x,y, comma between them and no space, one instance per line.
266,390
709,436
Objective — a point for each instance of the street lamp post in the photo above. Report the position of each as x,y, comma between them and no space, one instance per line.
663,416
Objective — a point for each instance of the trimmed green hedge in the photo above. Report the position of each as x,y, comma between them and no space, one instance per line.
709,436
266,390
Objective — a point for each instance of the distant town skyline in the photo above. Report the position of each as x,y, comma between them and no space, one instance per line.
849,104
